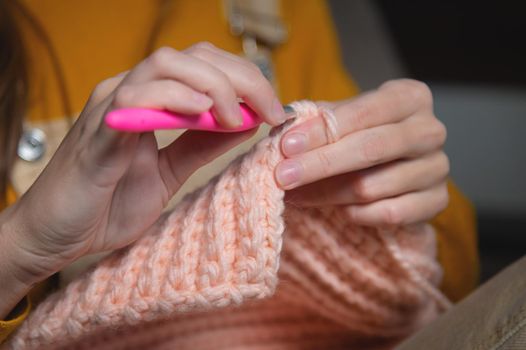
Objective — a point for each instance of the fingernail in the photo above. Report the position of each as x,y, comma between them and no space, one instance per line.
288,173
294,143
277,112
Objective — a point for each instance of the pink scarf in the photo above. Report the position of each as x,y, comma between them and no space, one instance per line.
235,267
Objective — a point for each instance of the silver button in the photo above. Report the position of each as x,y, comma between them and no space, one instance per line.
32,145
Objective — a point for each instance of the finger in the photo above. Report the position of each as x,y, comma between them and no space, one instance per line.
162,94
247,80
393,102
136,186
103,90
111,148
193,150
167,63
407,209
360,150
100,99
370,185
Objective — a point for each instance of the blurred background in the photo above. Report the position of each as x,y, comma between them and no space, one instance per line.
473,56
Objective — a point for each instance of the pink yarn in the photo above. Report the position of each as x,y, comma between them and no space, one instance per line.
196,279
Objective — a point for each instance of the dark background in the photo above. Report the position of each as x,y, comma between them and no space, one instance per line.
473,56
460,41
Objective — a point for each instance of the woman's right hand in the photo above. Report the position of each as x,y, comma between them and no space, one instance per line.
103,189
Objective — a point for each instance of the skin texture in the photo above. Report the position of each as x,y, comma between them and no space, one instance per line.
103,189
388,165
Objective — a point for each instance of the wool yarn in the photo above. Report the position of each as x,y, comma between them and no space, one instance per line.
233,266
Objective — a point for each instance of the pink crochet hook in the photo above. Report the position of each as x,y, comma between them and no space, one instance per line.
147,119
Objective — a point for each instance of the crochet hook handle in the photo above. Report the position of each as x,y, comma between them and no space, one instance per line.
147,119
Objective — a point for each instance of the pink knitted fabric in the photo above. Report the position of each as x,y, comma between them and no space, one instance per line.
206,276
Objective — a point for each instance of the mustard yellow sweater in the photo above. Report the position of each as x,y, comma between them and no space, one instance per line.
97,39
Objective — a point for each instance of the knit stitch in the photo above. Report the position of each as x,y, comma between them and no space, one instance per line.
206,275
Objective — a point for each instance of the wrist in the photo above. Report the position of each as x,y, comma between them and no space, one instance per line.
37,250
14,285
29,257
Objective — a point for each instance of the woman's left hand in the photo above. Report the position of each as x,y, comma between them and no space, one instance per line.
387,165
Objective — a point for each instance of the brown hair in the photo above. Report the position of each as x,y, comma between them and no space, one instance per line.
13,92
14,87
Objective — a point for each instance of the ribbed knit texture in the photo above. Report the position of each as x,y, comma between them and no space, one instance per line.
196,280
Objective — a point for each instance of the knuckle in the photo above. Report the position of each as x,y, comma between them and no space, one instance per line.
170,93
199,52
416,90
435,133
220,79
390,84
161,57
359,113
443,200
101,87
419,92
204,45
248,64
440,131
124,97
373,149
446,164
363,190
255,82
325,161
101,90
440,165
352,213
391,215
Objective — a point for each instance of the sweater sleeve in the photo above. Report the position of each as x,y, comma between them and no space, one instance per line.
20,312
457,245
15,319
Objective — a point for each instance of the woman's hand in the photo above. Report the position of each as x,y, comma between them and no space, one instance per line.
388,165
103,189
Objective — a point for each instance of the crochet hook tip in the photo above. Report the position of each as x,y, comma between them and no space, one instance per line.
290,113
288,109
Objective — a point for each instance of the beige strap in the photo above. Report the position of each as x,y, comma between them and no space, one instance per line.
261,19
